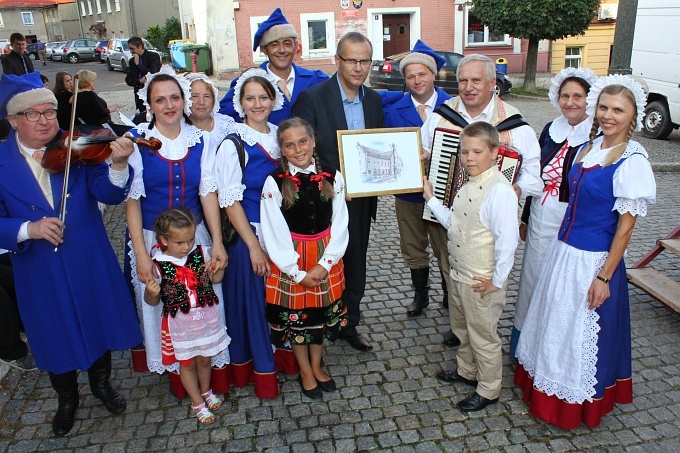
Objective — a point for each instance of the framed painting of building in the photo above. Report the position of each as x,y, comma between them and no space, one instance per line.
381,161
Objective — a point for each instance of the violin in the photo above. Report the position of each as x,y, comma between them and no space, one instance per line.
91,149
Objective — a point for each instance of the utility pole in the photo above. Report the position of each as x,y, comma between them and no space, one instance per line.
623,37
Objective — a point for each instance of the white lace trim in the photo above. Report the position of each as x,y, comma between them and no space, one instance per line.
150,317
224,125
635,207
597,155
207,185
560,130
278,102
267,141
137,190
229,196
189,136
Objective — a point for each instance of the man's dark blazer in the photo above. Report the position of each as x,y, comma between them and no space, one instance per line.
321,106
12,64
150,63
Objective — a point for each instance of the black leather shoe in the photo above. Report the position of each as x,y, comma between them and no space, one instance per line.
99,374
327,386
453,376
314,393
65,417
450,339
357,342
475,402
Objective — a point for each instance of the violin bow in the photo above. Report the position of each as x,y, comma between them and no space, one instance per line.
69,152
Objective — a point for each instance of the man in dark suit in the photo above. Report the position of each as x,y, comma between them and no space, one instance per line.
343,103
142,63
17,62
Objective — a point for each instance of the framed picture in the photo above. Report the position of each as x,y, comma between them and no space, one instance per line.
381,161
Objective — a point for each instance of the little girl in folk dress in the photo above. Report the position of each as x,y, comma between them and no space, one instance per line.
304,227
192,330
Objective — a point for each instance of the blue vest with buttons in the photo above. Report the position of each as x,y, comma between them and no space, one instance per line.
259,165
170,183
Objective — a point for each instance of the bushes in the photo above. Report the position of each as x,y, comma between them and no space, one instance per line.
160,36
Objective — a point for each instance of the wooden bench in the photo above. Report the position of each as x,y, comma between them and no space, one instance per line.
651,280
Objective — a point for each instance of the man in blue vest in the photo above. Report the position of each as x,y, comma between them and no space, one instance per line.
419,69
278,41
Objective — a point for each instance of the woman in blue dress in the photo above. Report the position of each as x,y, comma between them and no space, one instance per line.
180,174
252,358
560,141
574,351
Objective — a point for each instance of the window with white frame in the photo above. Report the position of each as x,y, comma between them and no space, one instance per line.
478,34
83,11
2,24
317,35
27,17
572,57
117,5
99,6
89,6
108,6
258,56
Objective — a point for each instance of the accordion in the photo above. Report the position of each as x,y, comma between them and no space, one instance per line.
446,172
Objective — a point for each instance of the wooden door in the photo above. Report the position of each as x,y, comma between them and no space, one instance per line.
396,34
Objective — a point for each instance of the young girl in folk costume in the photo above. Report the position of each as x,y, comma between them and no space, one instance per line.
575,347
180,174
192,329
252,359
304,227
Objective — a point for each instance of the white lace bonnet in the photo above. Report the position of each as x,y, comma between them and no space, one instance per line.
556,82
194,76
183,83
278,102
618,79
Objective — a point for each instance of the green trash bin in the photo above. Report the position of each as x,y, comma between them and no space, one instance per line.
202,57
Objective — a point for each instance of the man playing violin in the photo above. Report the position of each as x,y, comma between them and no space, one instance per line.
71,293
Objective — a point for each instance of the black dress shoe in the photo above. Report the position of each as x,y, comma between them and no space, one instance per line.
357,342
314,393
475,402
327,386
65,417
453,376
450,339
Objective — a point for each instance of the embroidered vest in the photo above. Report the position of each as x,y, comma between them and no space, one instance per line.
310,214
471,244
175,293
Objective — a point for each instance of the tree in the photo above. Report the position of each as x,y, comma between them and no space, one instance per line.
172,30
536,20
155,37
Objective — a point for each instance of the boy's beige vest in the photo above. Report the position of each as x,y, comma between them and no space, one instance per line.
471,244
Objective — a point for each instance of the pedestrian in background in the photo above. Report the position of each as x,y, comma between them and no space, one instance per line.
42,51
63,91
142,64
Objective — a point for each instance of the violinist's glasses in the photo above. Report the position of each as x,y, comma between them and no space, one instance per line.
34,116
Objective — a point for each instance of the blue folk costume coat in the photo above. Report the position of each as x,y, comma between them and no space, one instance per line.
74,303
402,113
304,78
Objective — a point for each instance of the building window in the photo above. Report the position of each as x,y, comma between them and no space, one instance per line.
27,17
258,56
89,6
83,12
317,35
2,24
108,6
478,34
572,57
117,5
99,6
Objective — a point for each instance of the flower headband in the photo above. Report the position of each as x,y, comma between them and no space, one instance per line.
278,102
618,79
183,83
556,82
194,76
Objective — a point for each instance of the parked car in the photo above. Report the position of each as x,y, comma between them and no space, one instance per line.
100,51
385,74
32,51
118,53
58,52
50,46
76,50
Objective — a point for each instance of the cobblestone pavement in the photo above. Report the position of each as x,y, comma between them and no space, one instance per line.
389,398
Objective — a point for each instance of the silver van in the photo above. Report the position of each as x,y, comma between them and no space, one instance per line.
118,54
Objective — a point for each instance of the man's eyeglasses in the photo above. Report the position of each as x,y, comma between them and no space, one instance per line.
34,115
354,61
